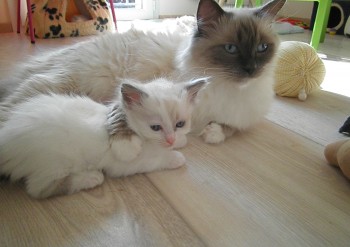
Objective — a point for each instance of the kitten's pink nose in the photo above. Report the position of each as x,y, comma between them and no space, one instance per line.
170,139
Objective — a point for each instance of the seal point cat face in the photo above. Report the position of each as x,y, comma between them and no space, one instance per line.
238,44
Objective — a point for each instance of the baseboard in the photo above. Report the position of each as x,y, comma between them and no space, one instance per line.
6,27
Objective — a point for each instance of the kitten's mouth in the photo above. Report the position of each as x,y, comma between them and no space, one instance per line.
167,145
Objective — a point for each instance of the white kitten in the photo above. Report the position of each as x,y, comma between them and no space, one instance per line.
62,144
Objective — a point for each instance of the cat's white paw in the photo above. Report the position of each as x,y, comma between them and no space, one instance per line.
213,133
177,160
180,141
85,180
127,149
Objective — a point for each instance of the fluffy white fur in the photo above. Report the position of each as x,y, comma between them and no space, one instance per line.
237,106
96,67
60,144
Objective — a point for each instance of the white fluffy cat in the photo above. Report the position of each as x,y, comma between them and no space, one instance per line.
62,144
235,48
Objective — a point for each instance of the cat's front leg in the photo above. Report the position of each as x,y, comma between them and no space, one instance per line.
169,159
215,133
84,180
176,160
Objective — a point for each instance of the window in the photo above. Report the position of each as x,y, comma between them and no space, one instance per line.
135,9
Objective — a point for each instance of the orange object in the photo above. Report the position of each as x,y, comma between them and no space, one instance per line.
338,154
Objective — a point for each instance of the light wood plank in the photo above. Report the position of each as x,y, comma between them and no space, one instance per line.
318,118
269,186
266,187
122,212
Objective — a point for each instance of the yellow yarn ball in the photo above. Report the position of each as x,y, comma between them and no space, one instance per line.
299,70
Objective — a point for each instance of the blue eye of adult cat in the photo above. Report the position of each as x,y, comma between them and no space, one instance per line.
180,124
156,127
262,47
230,48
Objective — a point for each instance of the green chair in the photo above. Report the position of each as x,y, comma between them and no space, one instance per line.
321,20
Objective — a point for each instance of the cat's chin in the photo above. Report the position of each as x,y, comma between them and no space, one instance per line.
245,82
168,146
241,83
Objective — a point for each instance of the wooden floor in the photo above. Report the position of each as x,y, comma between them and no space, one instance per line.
269,186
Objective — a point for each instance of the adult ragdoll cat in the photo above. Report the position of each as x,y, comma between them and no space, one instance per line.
235,48
61,144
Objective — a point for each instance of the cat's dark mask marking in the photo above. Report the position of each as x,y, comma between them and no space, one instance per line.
209,13
246,61
241,45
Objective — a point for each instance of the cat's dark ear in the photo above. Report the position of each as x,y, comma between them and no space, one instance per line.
132,95
270,9
208,12
194,87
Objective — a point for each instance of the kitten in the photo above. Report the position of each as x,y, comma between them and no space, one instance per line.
235,48
62,144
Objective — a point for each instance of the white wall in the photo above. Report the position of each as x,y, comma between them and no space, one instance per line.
291,8
4,15
297,9
177,7
5,19
189,7
12,11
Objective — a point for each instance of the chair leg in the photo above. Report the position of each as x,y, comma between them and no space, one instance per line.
30,22
239,3
258,3
113,14
19,16
321,22
326,18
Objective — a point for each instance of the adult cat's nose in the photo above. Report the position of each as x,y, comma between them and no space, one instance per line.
249,69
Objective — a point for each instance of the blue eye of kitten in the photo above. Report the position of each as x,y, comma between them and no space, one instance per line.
262,47
156,127
180,124
230,48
